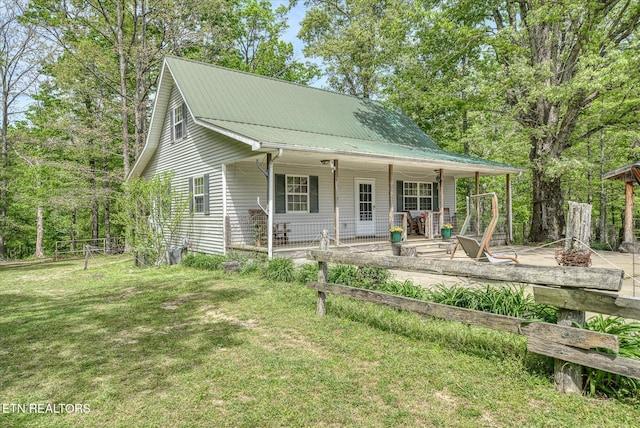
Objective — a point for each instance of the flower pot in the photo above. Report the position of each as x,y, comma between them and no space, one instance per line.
446,233
396,236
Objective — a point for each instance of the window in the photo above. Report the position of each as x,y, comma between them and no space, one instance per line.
297,193
417,196
199,191
179,120
198,194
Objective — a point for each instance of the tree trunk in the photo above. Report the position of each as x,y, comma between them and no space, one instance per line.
124,108
107,216
94,205
141,73
603,201
39,232
4,164
547,220
72,234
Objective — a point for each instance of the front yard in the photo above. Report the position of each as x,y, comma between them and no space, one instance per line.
175,346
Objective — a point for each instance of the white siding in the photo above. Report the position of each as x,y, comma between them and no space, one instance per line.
201,152
207,152
246,183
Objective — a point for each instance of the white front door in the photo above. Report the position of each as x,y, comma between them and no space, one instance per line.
365,206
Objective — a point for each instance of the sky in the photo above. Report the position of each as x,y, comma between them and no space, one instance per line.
295,16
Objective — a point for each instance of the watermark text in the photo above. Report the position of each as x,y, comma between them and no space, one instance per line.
44,408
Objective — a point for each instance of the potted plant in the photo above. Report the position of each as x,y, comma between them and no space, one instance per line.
445,231
396,233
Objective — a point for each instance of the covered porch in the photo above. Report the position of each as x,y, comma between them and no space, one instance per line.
356,199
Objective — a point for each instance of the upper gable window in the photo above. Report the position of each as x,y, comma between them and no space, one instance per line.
179,121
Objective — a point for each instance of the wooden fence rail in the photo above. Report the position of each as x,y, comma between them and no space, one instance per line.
575,293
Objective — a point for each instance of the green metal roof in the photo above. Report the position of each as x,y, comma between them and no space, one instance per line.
273,111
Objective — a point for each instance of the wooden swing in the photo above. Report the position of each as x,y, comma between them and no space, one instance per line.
480,251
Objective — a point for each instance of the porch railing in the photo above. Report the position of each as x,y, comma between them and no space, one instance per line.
251,231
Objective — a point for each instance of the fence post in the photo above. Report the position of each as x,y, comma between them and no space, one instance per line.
322,274
568,376
86,256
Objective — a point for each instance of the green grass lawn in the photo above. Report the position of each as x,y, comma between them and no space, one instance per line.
175,346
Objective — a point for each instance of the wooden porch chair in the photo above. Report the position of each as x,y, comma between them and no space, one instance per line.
473,250
414,224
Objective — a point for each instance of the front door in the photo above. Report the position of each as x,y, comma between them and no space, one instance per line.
365,206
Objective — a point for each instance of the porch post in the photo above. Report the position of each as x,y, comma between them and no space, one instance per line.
392,207
477,192
270,188
509,211
226,228
336,203
441,195
628,211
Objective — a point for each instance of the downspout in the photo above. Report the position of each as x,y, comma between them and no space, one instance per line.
270,196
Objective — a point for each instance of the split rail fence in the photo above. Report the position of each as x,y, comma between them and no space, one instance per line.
573,290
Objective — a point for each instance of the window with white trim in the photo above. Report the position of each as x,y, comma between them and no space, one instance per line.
179,122
297,193
198,194
418,196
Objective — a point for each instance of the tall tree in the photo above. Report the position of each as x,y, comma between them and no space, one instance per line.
557,59
533,68
347,36
21,52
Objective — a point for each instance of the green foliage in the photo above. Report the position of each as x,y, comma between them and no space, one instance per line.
181,329
280,269
511,300
608,384
404,288
346,35
363,277
256,30
204,261
307,272
253,265
150,214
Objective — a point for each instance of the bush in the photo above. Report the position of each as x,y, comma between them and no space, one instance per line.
609,384
204,261
280,269
503,300
307,272
252,265
371,278
404,288
343,274
600,246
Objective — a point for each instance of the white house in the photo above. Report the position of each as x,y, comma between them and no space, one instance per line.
256,153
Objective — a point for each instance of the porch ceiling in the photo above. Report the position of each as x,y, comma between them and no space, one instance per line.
312,160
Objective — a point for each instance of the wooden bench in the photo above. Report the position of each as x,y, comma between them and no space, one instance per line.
280,231
259,220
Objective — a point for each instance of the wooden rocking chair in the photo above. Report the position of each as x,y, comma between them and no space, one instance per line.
414,224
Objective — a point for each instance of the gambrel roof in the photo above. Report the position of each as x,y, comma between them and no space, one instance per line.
271,114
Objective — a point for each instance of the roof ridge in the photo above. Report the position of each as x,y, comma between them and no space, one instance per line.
275,79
